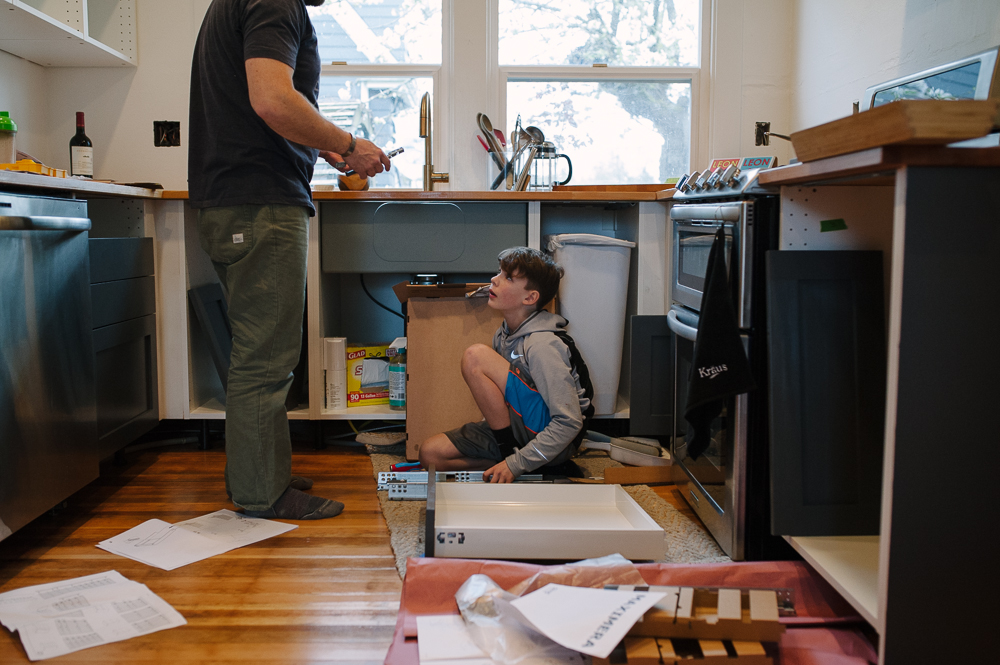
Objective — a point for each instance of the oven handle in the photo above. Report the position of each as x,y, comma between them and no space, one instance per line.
685,331
722,212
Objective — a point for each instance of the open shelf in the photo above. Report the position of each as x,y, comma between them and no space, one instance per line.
849,564
54,33
214,410
378,412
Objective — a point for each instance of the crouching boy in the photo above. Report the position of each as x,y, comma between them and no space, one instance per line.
532,387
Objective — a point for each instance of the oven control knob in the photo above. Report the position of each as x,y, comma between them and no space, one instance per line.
682,184
728,176
703,180
713,180
692,182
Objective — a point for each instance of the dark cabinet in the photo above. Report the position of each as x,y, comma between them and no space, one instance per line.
124,305
826,334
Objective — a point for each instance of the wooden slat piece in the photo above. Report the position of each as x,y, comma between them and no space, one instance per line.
748,648
713,649
763,605
642,651
667,653
686,603
668,603
730,604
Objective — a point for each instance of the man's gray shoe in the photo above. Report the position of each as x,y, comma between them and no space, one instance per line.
296,505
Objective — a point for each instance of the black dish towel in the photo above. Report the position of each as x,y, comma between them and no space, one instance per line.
720,368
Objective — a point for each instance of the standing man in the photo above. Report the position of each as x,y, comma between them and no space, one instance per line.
255,135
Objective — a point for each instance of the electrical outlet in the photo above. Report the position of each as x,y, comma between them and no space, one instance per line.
762,133
166,133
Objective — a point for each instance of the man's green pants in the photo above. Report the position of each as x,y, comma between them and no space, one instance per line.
259,253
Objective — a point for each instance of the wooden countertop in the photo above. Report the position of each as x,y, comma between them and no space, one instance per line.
417,195
34,181
873,165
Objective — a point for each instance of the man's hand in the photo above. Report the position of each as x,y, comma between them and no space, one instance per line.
498,474
374,160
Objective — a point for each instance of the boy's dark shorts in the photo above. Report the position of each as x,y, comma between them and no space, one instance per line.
476,440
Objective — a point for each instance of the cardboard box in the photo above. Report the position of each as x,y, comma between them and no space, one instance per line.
441,324
367,374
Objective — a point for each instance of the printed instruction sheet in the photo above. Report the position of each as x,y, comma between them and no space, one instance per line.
170,546
592,621
62,617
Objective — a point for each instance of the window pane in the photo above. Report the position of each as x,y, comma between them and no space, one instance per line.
384,110
615,132
379,31
661,33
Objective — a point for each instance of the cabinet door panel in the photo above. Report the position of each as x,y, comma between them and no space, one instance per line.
826,336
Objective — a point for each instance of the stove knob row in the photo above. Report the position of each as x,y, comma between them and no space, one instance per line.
718,178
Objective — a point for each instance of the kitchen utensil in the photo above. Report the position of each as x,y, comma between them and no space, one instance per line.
390,155
521,140
491,139
496,160
522,180
500,136
537,135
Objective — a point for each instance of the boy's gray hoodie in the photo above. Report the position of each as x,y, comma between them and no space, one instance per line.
542,360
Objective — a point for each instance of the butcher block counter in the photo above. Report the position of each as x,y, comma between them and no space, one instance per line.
582,194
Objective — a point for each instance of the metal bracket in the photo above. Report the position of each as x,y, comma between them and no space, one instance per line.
412,485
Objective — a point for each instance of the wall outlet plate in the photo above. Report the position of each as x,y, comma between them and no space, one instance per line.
166,133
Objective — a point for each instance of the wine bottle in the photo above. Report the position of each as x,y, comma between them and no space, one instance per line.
81,151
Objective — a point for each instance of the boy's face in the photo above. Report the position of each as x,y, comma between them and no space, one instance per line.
511,292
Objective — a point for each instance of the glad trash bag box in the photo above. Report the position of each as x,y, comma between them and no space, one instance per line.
367,375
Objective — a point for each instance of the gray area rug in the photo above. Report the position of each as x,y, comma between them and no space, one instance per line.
685,542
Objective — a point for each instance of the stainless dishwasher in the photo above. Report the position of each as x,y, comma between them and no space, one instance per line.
47,389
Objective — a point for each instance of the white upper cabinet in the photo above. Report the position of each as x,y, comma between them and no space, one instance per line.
70,33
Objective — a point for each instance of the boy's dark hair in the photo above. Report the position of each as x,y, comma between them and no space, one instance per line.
542,271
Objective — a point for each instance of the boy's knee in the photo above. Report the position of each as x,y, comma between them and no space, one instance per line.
474,357
430,451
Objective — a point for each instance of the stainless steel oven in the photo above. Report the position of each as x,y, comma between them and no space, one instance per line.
695,226
727,485
715,479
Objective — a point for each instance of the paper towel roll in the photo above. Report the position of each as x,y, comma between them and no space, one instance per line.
334,353
335,368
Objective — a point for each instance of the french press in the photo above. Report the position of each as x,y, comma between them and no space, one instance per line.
543,167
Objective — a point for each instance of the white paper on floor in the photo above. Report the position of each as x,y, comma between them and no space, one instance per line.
592,621
62,617
444,638
170,546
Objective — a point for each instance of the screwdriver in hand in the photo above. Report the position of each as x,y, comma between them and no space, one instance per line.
390,155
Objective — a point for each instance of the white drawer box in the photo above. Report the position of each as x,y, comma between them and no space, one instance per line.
538,521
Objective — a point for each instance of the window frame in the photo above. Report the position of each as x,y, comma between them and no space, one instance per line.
502,75
439,110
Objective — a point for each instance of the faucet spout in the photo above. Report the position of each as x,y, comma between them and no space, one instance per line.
430,177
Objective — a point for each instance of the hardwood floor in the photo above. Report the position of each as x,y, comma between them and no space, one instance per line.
327,592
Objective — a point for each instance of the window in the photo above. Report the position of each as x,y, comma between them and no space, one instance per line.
626,120
379,58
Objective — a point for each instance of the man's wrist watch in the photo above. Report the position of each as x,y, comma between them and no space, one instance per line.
350,150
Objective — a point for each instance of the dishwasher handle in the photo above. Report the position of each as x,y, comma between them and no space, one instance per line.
43,223
680,329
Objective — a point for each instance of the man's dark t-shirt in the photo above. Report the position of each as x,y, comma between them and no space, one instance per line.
234,158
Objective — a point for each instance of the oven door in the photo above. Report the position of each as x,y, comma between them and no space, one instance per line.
695,226
717,478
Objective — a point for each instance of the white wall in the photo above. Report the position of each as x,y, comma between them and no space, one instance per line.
750,77
122,103
24,93
843,47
